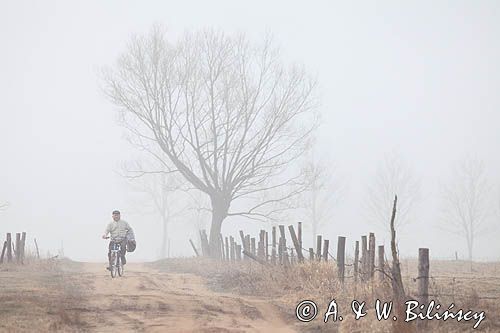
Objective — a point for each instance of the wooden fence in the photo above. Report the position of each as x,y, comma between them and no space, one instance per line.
14,253
274,248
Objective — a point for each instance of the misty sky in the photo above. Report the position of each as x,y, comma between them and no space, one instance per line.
421,78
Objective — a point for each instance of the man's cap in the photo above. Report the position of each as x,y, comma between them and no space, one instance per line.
116,212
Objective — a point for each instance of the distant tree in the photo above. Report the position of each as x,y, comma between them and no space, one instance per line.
4,206
393,177
322,194
227,115
466,201
164,191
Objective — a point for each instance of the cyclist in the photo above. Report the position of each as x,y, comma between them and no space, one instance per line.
118,230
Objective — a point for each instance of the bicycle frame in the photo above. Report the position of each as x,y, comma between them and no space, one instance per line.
116,264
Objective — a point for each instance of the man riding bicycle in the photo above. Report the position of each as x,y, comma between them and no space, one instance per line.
119,230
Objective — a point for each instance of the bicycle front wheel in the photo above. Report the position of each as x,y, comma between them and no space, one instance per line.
119,266
113,266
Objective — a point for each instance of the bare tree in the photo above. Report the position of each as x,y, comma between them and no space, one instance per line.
466,201
226,115
393,177
163,190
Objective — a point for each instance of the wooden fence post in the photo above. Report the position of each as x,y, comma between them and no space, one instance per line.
9,247
423,276
18,247
37,251
381,263
371,252
326,242
227,249
341,258
266,249
262,252
280,250
252,245
311,254
238,251
242,236
356,261
23,243
232,250
299,236
364,258
318,247
273,251
222,250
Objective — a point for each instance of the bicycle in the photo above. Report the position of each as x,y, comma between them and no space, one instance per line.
116,259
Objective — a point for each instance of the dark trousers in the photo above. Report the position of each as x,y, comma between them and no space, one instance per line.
123,244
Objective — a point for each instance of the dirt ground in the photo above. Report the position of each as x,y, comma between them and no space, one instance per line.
190,295
82,297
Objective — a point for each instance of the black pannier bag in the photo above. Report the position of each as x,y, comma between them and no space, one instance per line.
131,244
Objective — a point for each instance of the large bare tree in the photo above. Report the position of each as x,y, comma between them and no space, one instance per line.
227,115
467,201
393,177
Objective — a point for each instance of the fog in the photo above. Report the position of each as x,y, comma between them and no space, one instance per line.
418,79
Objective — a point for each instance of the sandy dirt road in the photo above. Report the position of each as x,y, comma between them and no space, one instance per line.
147,300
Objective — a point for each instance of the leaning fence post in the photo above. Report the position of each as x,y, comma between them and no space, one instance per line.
3,251
326,242
284,252
423,280
381,263
356,261
296,243
190,241
341,258
311,254
318,247
371,252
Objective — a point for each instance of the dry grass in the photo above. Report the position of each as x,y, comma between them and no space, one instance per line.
36,297
286,287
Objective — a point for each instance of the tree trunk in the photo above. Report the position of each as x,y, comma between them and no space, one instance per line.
163,252
469,249
220,209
